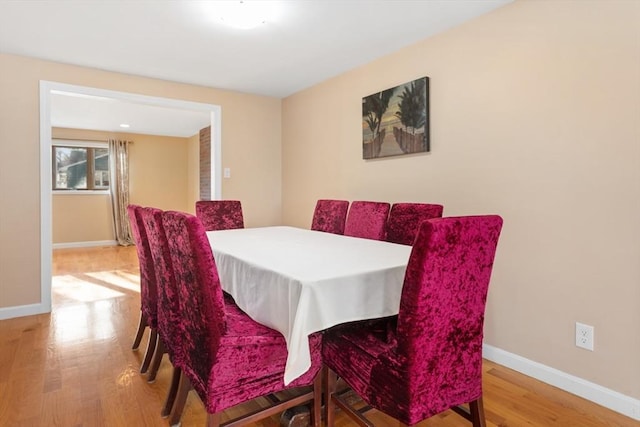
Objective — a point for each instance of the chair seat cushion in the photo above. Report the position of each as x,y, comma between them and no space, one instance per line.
250,362
366,356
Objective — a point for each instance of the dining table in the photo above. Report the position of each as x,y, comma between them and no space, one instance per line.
300,281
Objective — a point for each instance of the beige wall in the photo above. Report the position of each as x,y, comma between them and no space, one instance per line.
158,172
81,218
252,151
535,115
158,176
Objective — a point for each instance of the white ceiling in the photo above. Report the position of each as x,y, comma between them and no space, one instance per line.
306,42
70,110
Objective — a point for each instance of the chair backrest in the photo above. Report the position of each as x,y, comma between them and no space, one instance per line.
201,301
148,291
220,214
405,218
440,323
168,308
367,220
330,216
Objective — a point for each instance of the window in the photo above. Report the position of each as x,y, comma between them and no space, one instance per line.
80,167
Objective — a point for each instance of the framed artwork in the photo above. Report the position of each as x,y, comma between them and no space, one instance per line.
396,121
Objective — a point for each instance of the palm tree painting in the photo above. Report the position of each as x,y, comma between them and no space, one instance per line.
396,121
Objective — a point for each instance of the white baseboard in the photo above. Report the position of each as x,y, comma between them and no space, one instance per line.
23,310
603,396
85,244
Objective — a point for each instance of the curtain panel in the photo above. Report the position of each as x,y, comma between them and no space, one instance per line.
119,186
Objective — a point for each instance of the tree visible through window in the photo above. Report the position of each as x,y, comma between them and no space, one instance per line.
80,168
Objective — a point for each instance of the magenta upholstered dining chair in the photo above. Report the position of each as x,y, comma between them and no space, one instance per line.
148,293
168,332
228,358
220,214
428,358
405,218
330,215
367,220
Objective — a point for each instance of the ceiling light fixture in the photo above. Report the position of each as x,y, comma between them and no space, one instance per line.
244,14
124,125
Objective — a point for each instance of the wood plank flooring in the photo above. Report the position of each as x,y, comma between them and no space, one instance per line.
75,367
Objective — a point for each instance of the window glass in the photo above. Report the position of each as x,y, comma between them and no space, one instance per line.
73,165
101,168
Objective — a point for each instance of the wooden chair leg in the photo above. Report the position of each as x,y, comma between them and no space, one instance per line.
142,324
316,412
151,347
171,393
213,420
181,398
476,408
331,378
155,362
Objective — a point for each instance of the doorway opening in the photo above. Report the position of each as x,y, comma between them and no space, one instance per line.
47,90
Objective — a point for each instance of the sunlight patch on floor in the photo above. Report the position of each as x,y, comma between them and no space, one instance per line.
81,322
88,287
118,279
70,287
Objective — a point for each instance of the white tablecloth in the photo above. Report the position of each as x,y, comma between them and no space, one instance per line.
300,281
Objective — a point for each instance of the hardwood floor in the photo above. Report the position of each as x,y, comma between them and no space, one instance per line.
75,367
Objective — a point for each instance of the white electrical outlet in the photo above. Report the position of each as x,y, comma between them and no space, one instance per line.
584,336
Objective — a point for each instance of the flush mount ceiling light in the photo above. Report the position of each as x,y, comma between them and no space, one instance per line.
125,125
243,14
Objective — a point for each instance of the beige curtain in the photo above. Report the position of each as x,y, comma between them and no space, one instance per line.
119,186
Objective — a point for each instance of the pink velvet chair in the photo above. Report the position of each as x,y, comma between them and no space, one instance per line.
168,307
220,214
148,293
405,218
367,220
428,358
228,358
330,215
